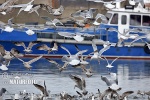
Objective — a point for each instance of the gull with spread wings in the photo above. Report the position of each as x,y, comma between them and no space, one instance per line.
125,35
43,89
72,59
109,65
53,22
79,37
23,7
61,68
112,83
57,12
29,48
80,83
49,49
27,64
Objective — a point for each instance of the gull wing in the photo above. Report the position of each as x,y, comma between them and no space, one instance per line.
94,46
105,79
2,50
53,62
10,21
88,35
106,92
103,17
20,44
35,9
14,51
77,79
66,34
2,23
43,47
31,44
35,59
126,93
17,6
17,57
76,14
103,50
106,60
81,52
41,88
138,38
114,60
66,50
47,18
57,21
4,4
22,5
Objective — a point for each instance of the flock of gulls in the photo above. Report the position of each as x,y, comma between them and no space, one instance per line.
77,60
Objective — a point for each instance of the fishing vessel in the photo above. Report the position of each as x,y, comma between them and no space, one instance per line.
122,19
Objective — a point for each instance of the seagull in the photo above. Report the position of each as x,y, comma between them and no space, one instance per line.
7,27
61,68
43,89
35,9
29,48
106,45
4,8
58,11
72,59
86,14
27,64
95,51
111,83
80,23
133,2
2,91
7,55
79,37
103,18
109,65
24,7
49,49
46,7
125,35
138,38
80,83
52,22
125,94
88,72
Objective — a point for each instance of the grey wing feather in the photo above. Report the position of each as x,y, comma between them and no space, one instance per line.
41,88
35,59
66,49
138,38
57,21
81,52
31,44
77,80
2,50
66,34
114,60
127,93
101,16
103,50
106,80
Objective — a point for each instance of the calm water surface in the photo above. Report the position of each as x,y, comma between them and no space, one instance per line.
132,75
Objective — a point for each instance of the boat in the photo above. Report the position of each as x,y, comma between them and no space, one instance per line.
120,19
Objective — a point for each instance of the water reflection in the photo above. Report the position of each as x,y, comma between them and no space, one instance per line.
132,75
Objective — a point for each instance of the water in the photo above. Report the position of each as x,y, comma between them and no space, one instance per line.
133,75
